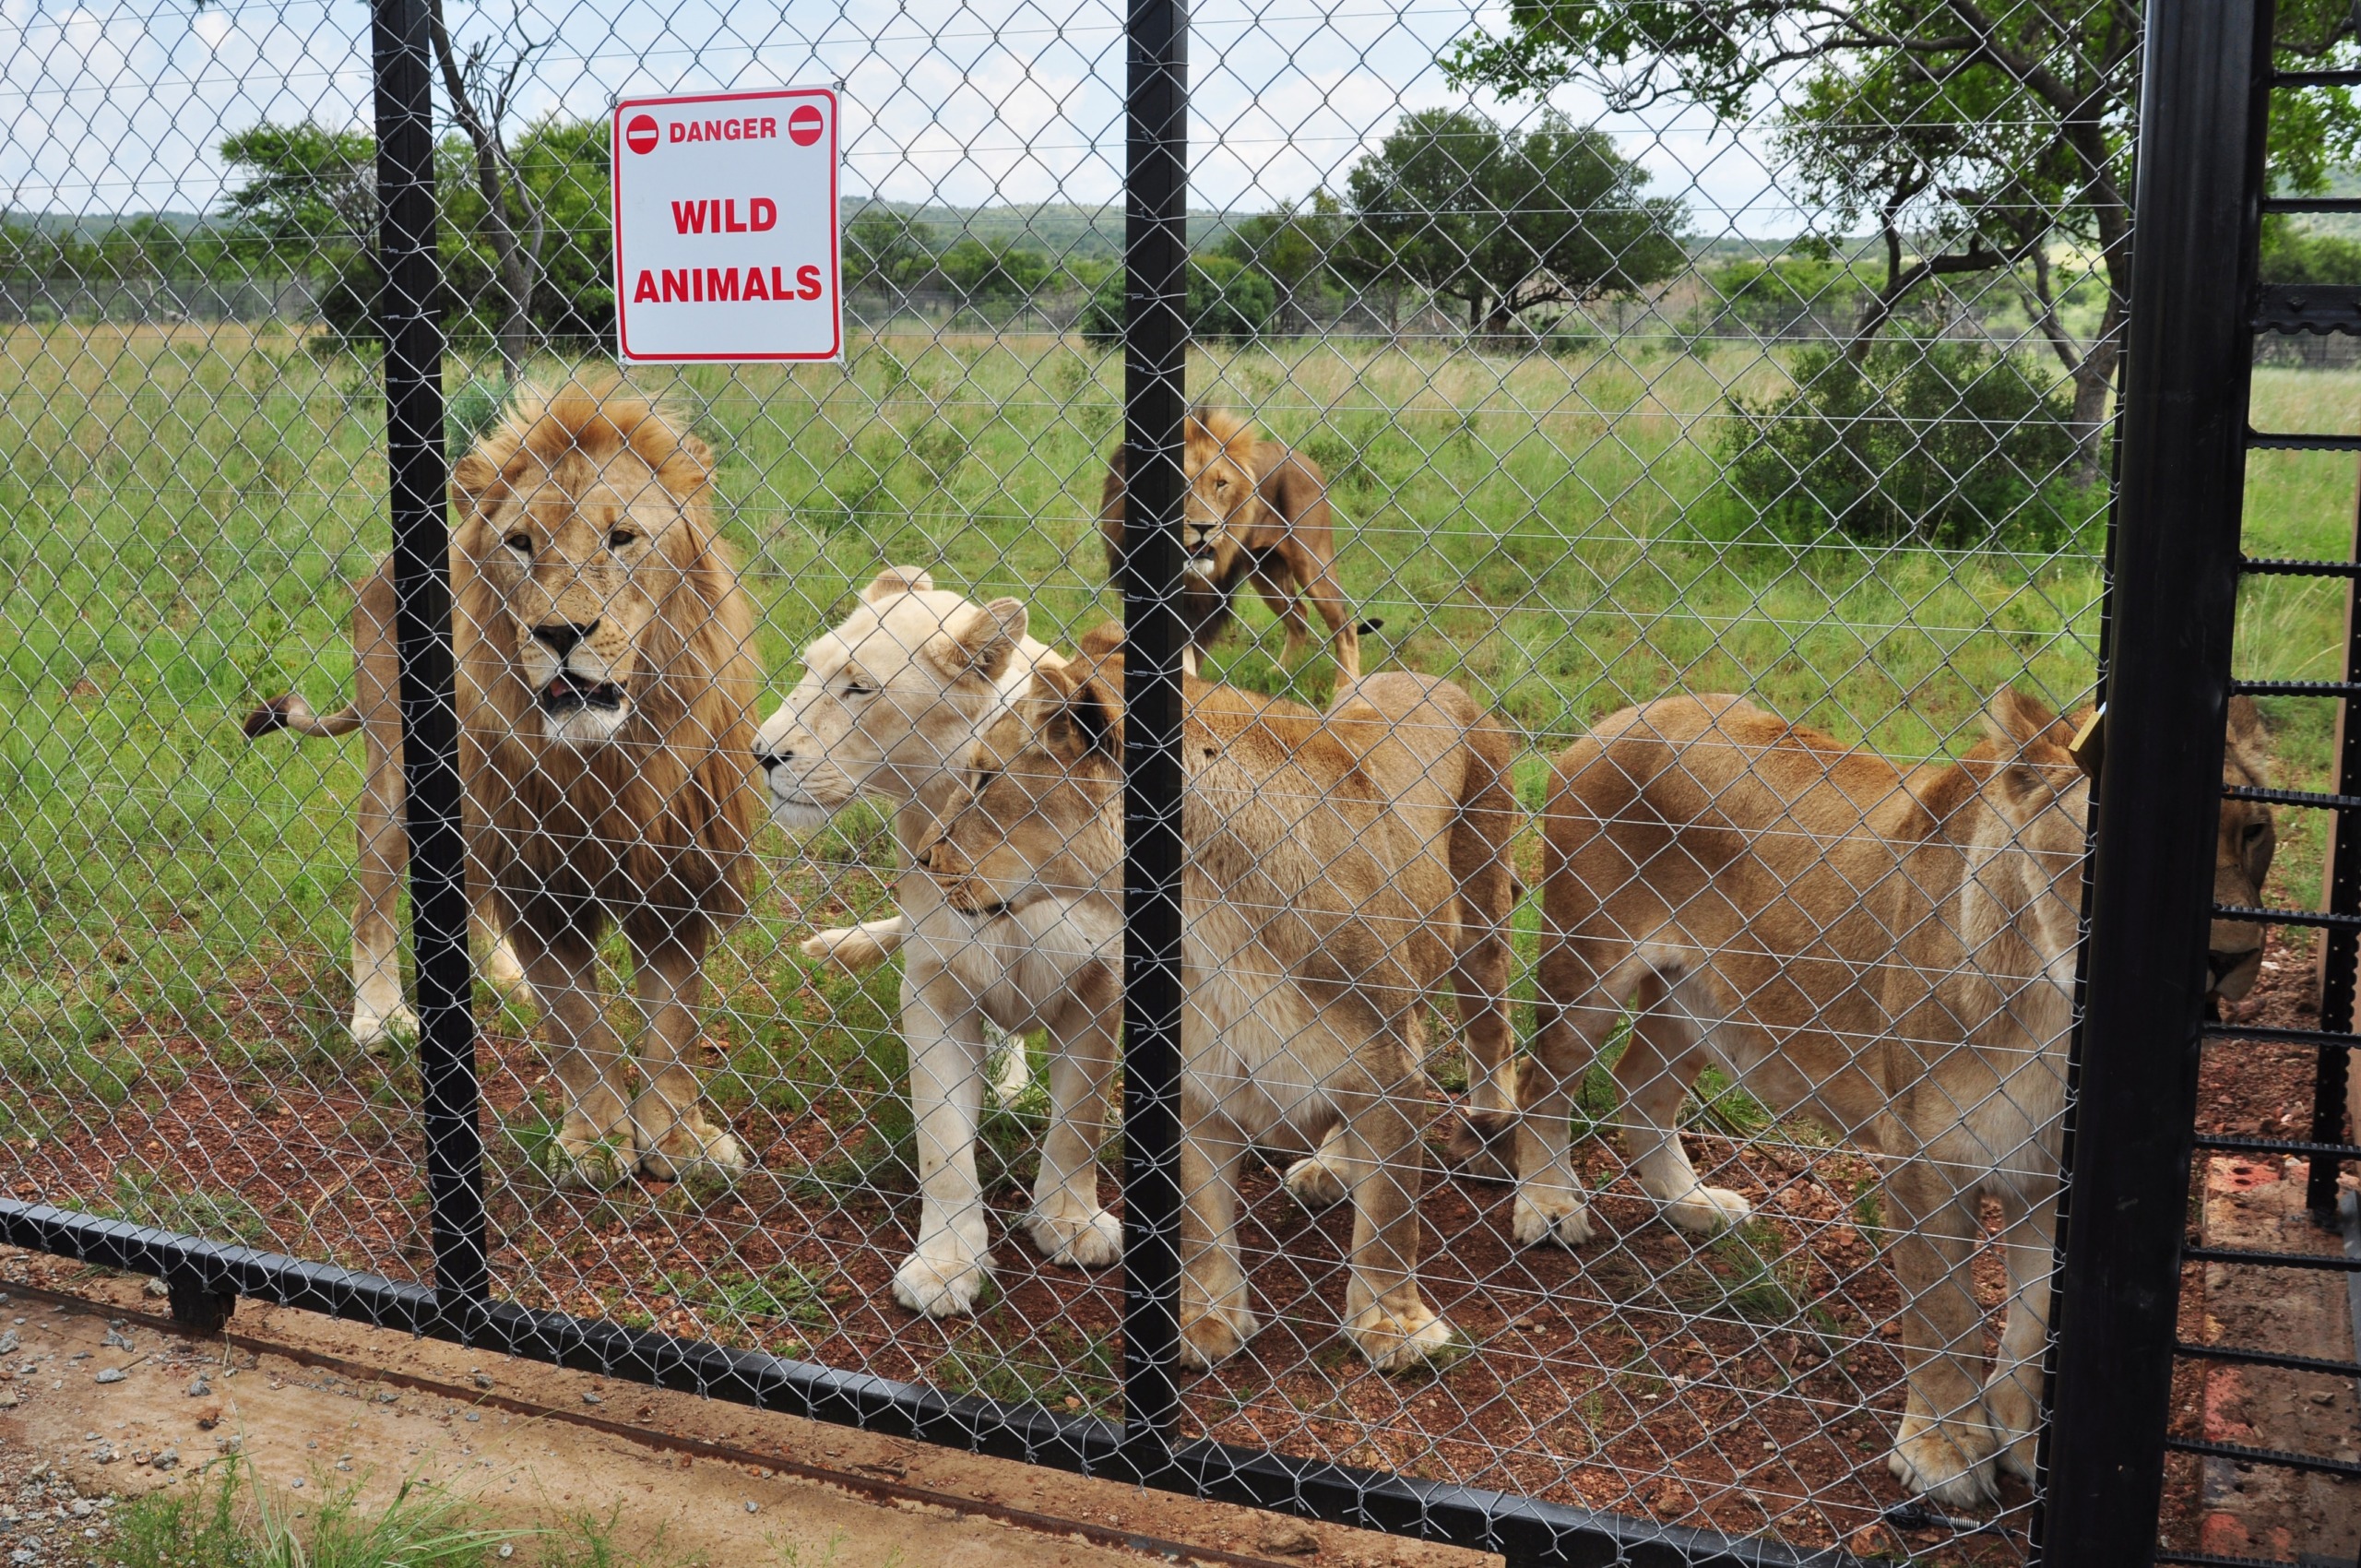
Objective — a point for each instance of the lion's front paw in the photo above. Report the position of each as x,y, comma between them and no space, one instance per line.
588,1161
502,972
376,1027
1549,1214
1210,1335
1404,1341
1313,1182
943,1280
1705,1211
1078,1239
850,948
694,1148
1483,1144
1949,1462
2009,1405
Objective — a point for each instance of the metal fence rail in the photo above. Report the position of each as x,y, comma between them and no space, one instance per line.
1599,1038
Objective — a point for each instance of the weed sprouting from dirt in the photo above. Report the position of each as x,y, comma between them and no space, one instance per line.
228,1519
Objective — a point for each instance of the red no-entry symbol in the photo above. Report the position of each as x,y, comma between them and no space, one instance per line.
640,135
803,126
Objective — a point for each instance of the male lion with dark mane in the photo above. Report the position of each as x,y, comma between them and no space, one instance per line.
606,679
1254,511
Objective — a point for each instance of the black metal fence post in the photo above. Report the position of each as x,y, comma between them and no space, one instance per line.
419,471
2175,557
1156,346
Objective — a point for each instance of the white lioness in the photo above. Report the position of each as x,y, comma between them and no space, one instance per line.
889,706
1323,902
606,751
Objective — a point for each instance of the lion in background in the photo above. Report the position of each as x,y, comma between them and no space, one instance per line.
606,683
1255,512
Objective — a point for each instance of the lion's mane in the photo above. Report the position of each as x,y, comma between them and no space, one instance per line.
652,828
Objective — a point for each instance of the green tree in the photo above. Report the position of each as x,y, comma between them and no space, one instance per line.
1979,138
886,252
1227,299
1504,222
994,272
509,219
564,167
307,189
2291,254
1291,247
307,202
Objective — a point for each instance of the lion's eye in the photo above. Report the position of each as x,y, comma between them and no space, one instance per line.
620,538
522,543
855,689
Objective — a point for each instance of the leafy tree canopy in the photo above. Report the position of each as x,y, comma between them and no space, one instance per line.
1977,137
1504,221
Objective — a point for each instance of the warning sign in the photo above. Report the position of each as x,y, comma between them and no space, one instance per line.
725,226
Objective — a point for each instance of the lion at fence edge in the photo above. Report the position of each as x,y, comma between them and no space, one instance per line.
606,678
1892,952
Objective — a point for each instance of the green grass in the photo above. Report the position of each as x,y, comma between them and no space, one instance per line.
185,510
223,1517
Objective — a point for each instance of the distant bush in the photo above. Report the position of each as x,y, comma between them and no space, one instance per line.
2298,255
1227,299
1925,440
1780,293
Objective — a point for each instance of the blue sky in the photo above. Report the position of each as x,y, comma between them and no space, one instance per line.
112,108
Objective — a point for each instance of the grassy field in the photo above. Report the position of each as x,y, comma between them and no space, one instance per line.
185,508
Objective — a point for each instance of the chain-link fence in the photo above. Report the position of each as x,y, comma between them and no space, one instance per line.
1599,1021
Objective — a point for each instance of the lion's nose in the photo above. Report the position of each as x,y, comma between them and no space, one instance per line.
560,637
770,759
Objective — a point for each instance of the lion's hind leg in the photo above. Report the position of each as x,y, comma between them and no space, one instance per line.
1578,1010
1662,1059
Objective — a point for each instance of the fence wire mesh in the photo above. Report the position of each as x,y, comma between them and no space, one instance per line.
1697,1059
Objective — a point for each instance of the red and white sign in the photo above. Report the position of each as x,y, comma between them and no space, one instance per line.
726,240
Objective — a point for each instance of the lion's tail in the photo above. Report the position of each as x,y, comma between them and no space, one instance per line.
291,712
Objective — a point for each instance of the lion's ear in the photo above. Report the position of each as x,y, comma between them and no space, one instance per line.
471,480
2248,739
2017,719
899,579
1090,718
985,642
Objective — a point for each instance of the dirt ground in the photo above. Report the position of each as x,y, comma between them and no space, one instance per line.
315,1406
2218,1506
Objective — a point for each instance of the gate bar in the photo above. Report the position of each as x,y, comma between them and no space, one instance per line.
418,473
2181,473
1156,348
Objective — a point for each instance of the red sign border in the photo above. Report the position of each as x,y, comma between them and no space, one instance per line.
615,221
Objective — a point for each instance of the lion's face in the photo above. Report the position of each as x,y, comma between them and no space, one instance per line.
574,556
2244,844
1221,500
1043,820
888,701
